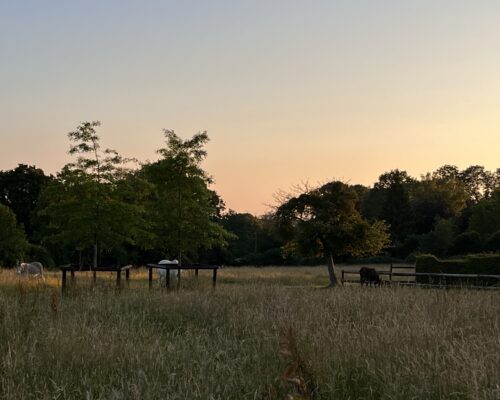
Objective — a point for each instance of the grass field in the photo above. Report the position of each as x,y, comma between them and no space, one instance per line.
262,334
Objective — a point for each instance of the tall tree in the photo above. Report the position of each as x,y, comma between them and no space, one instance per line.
435,198
485,218
182,211
246,227
20,189
479,183
12,239
447,172
326,220
439,240
396,209
91,203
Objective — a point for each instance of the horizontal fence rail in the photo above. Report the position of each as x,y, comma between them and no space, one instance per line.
432,276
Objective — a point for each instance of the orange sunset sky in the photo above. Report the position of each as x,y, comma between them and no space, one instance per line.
289,91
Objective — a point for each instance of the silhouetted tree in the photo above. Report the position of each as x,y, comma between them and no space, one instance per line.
485,216
479,183
13,243
20,189
434,198
183,211
396,209
91,203
326,221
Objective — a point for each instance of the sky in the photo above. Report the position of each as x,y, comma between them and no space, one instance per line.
289,91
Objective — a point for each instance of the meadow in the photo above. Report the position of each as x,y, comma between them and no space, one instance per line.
268,333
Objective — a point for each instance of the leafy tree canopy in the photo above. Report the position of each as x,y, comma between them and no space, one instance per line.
12,240
396,209
433,198
485,217
326,220
183,209
93,201
20,189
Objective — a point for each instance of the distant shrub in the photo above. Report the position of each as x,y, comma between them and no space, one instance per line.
408,247
39,253
411,258
467,243
493,243
439,240
380,259
12,238
483,264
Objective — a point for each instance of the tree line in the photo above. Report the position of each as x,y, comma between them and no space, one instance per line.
103,208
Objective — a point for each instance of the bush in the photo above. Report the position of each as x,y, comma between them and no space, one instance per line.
39,253
380,259
467,242
439,240
409,246
493,243
411,258
12,239
482,264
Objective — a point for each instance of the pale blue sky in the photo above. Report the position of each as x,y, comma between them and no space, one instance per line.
288,90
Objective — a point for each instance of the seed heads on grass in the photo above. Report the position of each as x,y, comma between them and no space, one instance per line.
294,373
55,303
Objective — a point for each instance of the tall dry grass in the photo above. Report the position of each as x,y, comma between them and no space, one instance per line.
262,334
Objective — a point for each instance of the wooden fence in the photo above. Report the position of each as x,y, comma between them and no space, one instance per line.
475,281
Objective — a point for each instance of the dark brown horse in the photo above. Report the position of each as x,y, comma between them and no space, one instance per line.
369,276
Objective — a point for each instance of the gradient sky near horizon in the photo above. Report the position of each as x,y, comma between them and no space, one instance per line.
289,91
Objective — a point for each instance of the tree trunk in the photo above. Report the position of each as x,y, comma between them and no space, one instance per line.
95,255
331,271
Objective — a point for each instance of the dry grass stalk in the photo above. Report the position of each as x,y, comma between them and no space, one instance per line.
55,303
295,371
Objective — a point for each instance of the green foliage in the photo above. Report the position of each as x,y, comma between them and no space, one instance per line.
467,242
479,183
409,246
485,217
256,242
12,239
182,210
371,204
436,198
94,201
485,264
439,240
396,210
247,229
326,221
20,189
39,253
493,243
166,209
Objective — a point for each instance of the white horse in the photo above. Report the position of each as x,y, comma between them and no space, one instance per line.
31,269
162,273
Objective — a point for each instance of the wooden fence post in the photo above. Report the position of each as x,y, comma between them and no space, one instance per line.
118,278
214,278
63,280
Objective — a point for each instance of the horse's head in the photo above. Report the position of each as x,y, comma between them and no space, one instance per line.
21,268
